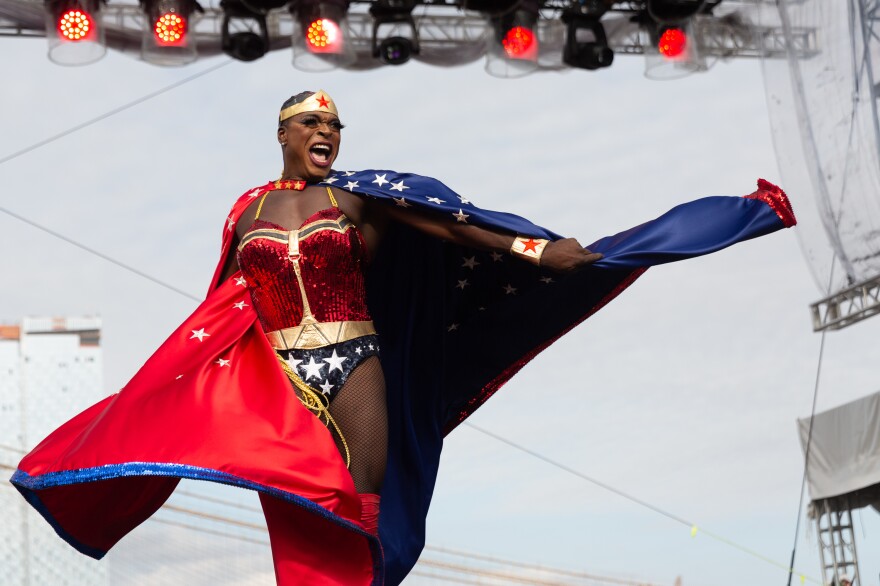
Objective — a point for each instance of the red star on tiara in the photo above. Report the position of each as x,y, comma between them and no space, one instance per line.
322,100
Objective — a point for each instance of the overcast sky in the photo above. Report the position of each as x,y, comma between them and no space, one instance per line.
683,392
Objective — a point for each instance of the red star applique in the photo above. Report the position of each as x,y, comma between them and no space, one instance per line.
322,100
530,244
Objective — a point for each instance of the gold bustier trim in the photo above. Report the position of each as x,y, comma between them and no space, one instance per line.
340,225
312,334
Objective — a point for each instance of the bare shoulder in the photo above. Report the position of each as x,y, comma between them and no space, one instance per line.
354,206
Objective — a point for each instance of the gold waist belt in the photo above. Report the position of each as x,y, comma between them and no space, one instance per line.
313,334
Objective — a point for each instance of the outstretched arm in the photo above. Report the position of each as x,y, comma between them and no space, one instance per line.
559,255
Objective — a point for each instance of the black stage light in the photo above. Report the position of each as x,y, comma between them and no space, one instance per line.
673,11
244,34
395,16
395,50
586,46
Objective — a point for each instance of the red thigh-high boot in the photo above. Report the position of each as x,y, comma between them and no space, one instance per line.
310,550
370,512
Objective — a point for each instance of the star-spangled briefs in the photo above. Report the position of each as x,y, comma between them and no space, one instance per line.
313,369
335,361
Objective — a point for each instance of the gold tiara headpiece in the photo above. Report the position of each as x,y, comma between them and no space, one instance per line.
317,102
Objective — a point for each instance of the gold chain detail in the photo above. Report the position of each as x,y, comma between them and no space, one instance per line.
332,199
314,402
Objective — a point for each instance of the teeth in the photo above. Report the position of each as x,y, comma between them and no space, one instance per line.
321,147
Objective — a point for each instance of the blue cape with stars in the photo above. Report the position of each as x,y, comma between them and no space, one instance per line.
457,323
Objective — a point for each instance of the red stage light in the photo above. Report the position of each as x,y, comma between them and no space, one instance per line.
518,42
75,25
672,43
323,35
170,29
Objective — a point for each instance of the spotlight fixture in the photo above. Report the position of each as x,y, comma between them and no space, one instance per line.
320,41
586,45
672,43
401,39
166,37
244,33
514,48
74,31
673,11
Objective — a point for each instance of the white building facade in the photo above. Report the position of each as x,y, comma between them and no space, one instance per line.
50,370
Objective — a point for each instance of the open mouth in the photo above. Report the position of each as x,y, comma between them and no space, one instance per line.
320,154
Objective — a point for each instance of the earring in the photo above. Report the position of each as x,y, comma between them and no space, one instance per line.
284,144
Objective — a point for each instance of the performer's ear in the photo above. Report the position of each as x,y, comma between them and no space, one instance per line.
282,134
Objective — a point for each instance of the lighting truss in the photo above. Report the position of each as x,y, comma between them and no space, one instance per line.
449,35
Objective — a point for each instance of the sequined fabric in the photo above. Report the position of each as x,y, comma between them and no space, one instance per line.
332,264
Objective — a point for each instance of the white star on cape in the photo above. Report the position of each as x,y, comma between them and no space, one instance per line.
348,173
199,334
178,377
464,200
462,284
380,179
546,279
401,202
398,186
461,216
435,200
509,289
241,281
325,388
351,185
330,180
240,305
222,362
255,192
229,223
497,256
335,361
313,369
451,328
470,262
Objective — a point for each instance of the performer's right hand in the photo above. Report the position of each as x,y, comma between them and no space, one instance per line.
567,255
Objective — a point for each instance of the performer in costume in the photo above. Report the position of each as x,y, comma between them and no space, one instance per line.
295,317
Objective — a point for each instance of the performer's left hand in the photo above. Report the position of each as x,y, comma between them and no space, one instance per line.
567,255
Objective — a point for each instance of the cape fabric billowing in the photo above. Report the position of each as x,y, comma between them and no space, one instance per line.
455,324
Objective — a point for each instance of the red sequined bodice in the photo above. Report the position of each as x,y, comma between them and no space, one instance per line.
332,258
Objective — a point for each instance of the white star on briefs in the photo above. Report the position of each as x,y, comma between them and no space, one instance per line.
229,223
464,200
398,186
436,200
199,334
497,256
358,350
546,279
470,262
325,388
240,305
313,369
462,284
401,202
222,362
293,362
330,180
348,173
380,179
461,216
351,185
335,361
241,281
509,289
452,328
255,192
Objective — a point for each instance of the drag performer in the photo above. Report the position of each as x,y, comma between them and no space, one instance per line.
353,320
